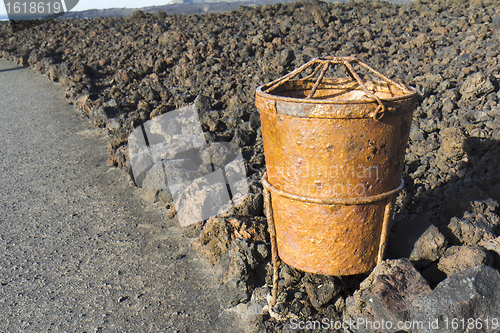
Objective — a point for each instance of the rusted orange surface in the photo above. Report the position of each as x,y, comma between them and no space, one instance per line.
327,148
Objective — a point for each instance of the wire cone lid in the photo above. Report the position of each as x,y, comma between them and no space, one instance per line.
316,88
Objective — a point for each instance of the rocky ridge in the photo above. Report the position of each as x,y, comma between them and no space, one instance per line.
122,72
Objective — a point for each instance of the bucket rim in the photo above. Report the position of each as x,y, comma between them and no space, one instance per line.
259,92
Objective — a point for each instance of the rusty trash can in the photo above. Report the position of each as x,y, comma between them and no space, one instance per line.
334,151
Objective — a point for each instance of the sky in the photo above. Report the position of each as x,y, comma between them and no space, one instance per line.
96,4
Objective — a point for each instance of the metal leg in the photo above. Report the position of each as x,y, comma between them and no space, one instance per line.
389,196
276,266
386,225
274,247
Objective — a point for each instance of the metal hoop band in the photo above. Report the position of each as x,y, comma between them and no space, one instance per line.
332,201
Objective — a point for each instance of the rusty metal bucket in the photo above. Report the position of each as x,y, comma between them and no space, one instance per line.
334,150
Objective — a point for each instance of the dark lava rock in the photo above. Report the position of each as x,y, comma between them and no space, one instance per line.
286,57
429,247
321,289
289,276
472,294
218,234
386,295
470,229
137,14
453,144
236,279
460,258
476,85
215,238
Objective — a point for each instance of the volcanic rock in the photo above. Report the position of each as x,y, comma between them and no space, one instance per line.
469,295
386,295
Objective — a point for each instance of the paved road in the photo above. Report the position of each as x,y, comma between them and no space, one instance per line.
79,252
